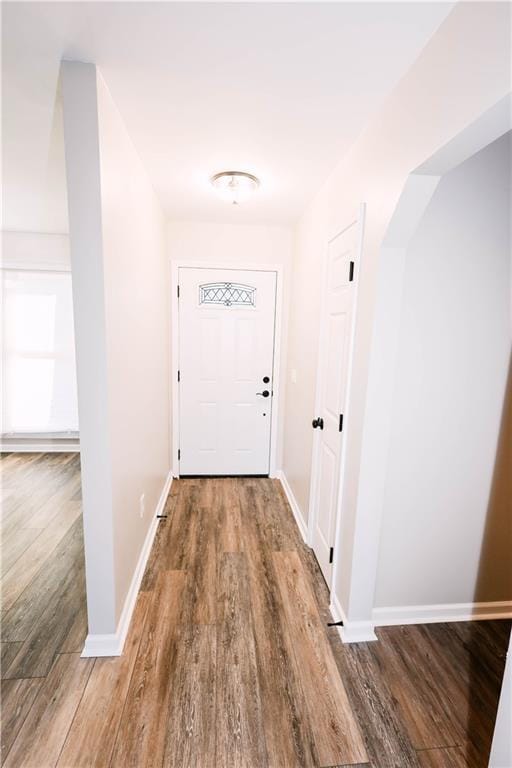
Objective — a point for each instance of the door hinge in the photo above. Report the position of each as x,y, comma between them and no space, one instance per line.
178,291
351,273
179,454
331,554
334,623
340,428
178,375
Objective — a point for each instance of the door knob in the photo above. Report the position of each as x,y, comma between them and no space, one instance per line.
265,393
318,423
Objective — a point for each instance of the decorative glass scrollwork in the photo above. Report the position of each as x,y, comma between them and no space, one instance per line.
227,294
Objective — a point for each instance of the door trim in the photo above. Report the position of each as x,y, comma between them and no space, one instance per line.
176,264
359,218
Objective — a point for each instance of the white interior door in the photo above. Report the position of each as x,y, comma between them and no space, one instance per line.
226,356
334,362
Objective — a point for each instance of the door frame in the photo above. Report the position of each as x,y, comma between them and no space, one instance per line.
359,218
176,265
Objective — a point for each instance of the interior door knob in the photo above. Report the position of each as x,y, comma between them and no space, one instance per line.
265,393
318,423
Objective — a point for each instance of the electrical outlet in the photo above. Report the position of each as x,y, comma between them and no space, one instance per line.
142,505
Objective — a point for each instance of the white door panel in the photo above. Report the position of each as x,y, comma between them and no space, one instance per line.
327,491
226,348
335,347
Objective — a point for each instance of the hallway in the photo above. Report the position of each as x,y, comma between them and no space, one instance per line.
229,663
256,366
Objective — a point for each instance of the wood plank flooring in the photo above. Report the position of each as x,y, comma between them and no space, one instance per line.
43,573
43,602
228,662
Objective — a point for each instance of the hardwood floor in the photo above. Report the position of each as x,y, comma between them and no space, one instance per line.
228,661
42,574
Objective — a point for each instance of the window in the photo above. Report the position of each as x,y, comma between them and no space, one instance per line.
39,374
228,294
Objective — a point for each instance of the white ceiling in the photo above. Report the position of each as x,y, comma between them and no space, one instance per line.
277,89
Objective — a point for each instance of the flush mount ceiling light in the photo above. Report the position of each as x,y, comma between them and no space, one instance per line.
235,186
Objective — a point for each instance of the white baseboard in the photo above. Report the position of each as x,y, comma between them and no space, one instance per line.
40,446
104,645
351,631
364,631
112,645
432,614
358,632
292,501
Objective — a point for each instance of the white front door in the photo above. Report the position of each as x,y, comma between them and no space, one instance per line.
226,359
334,361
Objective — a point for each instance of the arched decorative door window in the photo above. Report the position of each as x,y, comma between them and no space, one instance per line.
227,294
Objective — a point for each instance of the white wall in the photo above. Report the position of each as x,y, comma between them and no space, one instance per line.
462,72
451,376
301,370
239,244
137,324
121,297
37,250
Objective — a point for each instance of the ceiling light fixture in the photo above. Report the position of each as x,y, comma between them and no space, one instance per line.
235,186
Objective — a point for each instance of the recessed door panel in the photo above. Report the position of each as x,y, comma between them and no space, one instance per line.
337,325
245,362
209,329
208,434
327,472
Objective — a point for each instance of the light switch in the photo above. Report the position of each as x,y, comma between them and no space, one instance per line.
294,376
